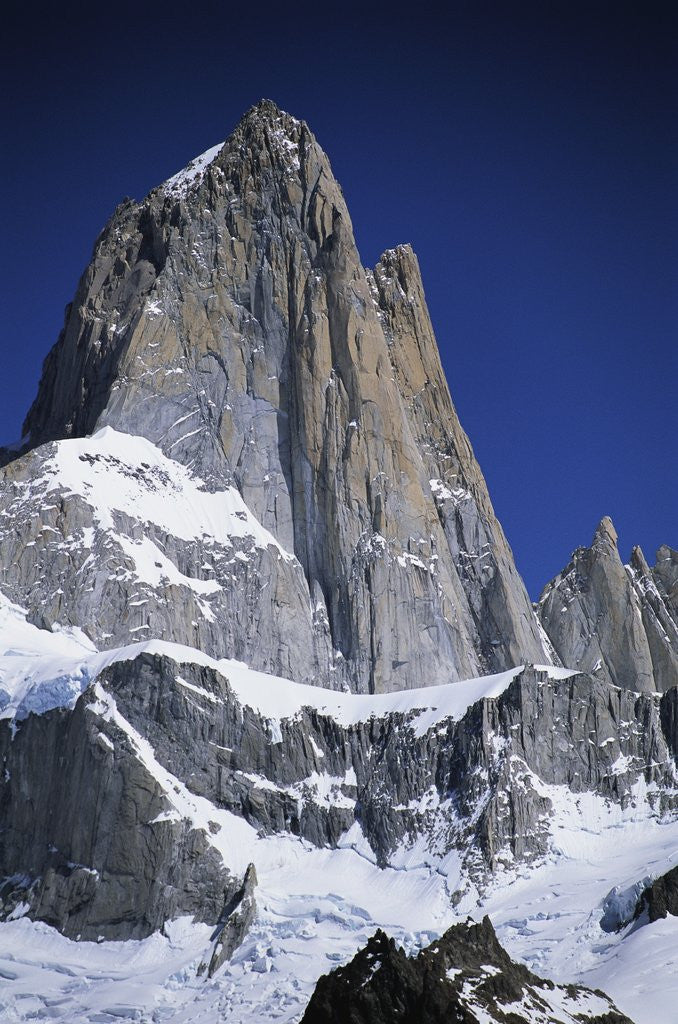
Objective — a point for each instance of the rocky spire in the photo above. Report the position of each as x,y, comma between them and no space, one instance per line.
665,575
611,619
227,319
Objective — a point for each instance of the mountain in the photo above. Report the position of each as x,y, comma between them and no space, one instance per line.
269,678
227,320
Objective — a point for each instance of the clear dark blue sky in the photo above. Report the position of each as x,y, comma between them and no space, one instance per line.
528,152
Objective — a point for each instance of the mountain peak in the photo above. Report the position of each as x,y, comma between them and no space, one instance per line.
266,114
265,117
605,531
265,109
228,320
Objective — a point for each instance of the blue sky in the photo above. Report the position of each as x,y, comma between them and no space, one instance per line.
528,152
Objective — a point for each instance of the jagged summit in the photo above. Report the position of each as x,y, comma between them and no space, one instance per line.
263,126
465,976
227,320
268,112
605,531
613,619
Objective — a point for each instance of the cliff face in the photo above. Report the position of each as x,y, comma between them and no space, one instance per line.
227,319
177,761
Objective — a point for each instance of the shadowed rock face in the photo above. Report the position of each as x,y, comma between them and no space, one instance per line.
665,575
227,318
243,441
464,977
123,857
645,901
234,923
618,621
660,898
86,841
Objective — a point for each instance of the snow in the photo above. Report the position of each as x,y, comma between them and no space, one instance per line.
115,472
442,493
40,670
622,764
316,907
154,567
278,699
191,175
549,916
228,833
304,928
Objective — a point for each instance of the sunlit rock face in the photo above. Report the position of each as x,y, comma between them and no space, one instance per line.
617,621
227,319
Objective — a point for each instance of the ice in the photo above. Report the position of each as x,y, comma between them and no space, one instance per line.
45,670
554,916
316,907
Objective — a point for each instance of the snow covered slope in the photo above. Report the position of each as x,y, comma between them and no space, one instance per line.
35,663
306,931
320,898
110,536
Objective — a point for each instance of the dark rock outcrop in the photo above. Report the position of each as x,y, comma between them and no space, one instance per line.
660,898
465,977
123,857
234,923
87,841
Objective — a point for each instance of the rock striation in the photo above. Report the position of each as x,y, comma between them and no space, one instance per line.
87,842
234,923
490,780
617,621
257,618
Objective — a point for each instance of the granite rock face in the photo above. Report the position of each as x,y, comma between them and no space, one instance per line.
617,621
660,898
465,976
476,782
227,319
235,921
108,535
665,576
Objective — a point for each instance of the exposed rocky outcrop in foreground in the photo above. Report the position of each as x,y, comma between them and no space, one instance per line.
660,898
464,976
